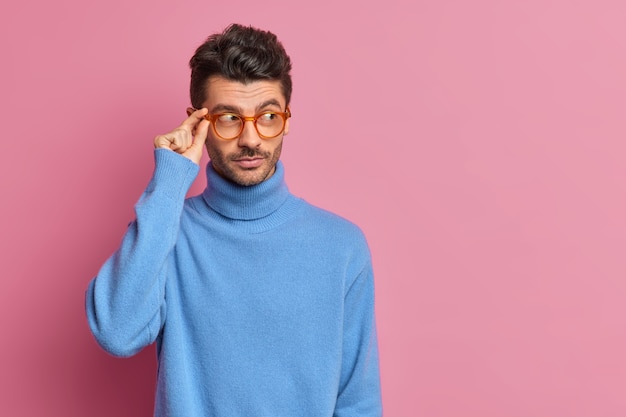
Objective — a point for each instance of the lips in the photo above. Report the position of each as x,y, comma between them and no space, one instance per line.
249,163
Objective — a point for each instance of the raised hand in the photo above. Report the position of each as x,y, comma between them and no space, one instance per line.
188,138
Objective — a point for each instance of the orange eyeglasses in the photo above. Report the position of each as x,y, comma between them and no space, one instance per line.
268,124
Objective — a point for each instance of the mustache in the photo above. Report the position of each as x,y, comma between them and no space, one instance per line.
249,153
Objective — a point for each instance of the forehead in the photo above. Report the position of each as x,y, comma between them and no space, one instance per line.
245,97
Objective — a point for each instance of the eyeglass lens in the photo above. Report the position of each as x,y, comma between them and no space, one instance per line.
268,125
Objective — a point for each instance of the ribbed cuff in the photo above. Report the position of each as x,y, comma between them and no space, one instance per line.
173,174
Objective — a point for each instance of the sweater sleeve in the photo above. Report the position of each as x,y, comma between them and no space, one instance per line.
359,389
125,302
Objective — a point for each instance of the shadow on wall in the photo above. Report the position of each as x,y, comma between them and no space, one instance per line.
74,375
55,365
108,386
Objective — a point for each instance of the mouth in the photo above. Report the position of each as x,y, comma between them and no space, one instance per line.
249,162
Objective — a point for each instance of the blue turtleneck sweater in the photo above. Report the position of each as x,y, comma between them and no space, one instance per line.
260,304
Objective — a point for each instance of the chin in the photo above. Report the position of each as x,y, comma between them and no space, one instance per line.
246,179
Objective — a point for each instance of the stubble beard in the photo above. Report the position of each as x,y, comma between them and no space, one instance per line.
225,167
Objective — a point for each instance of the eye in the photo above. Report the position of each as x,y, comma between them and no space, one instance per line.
228,118
267,117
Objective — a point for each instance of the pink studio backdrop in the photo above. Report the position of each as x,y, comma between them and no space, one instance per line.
480,146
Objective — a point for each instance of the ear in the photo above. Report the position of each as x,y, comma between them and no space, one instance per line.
286,131
190,110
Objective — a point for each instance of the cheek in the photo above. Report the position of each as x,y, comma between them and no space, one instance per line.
213,149
277,149
216,146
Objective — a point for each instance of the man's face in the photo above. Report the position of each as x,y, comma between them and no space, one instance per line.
247,159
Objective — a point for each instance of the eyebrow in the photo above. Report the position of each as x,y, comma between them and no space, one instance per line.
234,109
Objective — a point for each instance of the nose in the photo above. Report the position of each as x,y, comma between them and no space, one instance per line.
249,137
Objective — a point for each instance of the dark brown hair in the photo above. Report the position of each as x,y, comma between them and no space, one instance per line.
239,53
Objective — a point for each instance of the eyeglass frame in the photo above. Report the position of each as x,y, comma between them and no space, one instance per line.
285,115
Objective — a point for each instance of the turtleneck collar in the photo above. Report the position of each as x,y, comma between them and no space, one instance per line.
245,203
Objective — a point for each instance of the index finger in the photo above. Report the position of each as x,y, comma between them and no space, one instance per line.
194,118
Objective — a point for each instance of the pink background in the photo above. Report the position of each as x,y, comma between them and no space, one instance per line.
479,144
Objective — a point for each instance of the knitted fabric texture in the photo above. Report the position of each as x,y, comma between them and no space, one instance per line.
260,303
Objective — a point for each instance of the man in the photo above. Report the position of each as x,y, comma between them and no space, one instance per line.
260,304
